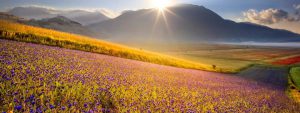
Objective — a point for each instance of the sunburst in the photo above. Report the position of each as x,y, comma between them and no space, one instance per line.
161,4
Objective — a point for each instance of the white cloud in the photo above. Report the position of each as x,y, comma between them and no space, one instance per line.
297,13
297,7
268,16
272,16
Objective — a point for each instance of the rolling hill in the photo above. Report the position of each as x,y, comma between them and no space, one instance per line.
52,79
15,31
186,23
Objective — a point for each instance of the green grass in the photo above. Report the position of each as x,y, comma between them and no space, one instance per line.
237,58
25,33
295,75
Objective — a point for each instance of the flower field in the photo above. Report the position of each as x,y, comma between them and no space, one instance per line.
288,61
38,78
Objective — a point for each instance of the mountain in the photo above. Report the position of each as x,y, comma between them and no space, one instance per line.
33,12
6,16
186,23
81,16
59,23
64,24
85,17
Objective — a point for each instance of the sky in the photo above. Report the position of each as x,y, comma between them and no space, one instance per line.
256,11
228,8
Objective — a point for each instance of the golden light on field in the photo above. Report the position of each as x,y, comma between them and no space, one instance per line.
161,4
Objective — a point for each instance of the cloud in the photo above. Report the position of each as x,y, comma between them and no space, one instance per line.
268,16
108,13
297,7
275,18
272,16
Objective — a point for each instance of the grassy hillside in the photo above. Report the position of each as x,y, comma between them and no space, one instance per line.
294,84
295,75
223,63
19,32
37,78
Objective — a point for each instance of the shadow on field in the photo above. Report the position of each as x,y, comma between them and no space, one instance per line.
277,77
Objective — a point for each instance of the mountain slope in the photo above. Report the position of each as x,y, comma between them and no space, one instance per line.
85,17
33,12
186,23
6,16
64,24
81,16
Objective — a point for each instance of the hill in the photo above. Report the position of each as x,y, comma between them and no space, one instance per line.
186,23
52,79
19,32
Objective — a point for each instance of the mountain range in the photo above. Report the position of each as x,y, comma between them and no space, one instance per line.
178,24
81,16
59,23
186,23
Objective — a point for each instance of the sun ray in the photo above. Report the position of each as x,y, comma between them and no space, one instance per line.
161,4
156,21
163,12
169,11
166,23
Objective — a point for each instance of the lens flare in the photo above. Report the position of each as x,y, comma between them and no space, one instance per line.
161,4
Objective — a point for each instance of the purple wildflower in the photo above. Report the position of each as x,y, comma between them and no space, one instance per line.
52,106
31,111
38,110
12,71
28,71
31,97
18,107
